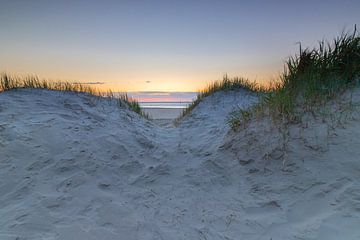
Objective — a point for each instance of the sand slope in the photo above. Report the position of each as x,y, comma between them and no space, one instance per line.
75,167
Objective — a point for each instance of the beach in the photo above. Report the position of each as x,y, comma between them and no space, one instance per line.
77,166
163,113
180,120
163,105
163,110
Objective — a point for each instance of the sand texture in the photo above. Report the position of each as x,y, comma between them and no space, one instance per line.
74,166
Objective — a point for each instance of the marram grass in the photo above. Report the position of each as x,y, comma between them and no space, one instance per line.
10,82
226,84
311,78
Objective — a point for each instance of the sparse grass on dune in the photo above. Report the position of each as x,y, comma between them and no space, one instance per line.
311,79
227,84
10,82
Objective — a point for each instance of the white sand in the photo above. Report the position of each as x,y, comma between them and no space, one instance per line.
163,113
74,167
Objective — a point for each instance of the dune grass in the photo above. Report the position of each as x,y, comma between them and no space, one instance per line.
9,82
311,78
226,84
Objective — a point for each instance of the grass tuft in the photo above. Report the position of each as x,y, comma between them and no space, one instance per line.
313,77
310,79
10,82
227,84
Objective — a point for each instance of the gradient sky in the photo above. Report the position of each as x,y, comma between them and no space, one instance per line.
162,45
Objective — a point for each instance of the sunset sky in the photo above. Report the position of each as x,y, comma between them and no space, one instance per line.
162,45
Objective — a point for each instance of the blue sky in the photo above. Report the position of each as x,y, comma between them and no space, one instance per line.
162,45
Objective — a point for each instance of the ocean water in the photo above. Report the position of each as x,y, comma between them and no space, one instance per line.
164,110
163,105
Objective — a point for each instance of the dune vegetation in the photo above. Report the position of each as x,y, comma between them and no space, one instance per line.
10,82
226,84
311,78
70,167
314,76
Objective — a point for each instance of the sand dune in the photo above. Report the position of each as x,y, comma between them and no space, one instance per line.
74,166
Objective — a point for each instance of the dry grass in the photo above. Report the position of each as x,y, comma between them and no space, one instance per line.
310,80
226,84
10,82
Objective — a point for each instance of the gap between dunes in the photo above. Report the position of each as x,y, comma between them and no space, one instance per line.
75,167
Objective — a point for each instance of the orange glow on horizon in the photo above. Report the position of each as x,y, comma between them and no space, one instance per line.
162,82
191,84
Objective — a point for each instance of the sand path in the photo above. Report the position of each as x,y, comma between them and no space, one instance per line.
73,167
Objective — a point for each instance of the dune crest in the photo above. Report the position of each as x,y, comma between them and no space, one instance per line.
75,167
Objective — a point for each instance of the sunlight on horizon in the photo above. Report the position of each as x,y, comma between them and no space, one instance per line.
157,84
161,45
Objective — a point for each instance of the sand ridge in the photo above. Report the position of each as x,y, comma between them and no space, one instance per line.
76,167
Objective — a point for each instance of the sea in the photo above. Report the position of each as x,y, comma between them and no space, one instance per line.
163,105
